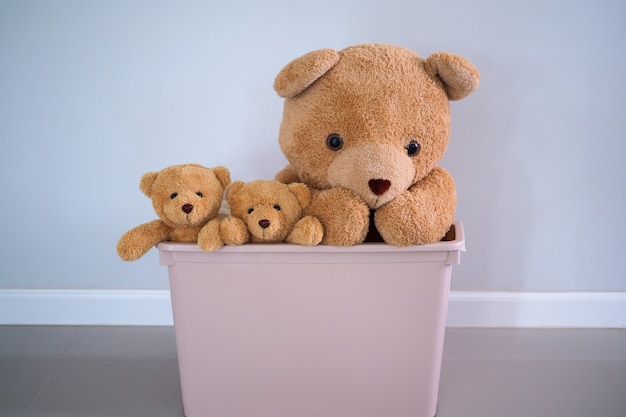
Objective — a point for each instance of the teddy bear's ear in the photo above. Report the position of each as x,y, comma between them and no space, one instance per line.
459,76
302,193
300,73
145,185
223,175
234,189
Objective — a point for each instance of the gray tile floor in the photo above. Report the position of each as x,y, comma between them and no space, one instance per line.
133,371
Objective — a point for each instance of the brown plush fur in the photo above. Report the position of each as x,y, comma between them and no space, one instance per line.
390,109
269,212
186,198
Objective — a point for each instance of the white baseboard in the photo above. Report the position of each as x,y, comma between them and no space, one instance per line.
86,307
537,309
466,309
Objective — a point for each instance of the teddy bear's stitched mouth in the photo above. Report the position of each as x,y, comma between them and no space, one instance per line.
188,221
267,235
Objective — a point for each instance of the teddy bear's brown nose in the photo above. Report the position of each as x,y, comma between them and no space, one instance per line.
187,208
378,186
264,223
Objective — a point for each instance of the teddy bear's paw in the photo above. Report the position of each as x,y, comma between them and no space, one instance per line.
343,215
137,241
308,231
233,231
209,238
402,223
130,249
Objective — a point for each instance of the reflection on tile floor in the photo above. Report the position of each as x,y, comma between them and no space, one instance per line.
133,371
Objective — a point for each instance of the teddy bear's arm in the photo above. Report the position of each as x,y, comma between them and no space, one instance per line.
308,231
209,238
287,176
344,216
422,214
138,241
233,231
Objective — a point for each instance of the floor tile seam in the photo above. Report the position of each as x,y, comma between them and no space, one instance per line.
57,365
43,386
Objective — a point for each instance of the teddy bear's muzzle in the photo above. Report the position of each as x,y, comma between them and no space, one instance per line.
376,173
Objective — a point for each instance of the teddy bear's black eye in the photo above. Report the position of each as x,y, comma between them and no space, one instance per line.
199,194
412,148
173,196
250,210
334,142
277,207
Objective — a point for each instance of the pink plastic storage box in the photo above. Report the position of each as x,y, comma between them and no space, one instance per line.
279,330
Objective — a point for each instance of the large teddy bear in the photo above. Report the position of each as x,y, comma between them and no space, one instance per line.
366,128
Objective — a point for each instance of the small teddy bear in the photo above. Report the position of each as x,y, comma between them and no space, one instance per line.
269,212
187,199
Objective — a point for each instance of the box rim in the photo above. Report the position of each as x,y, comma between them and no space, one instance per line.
458,244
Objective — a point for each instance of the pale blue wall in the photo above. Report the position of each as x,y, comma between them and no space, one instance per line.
94,94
